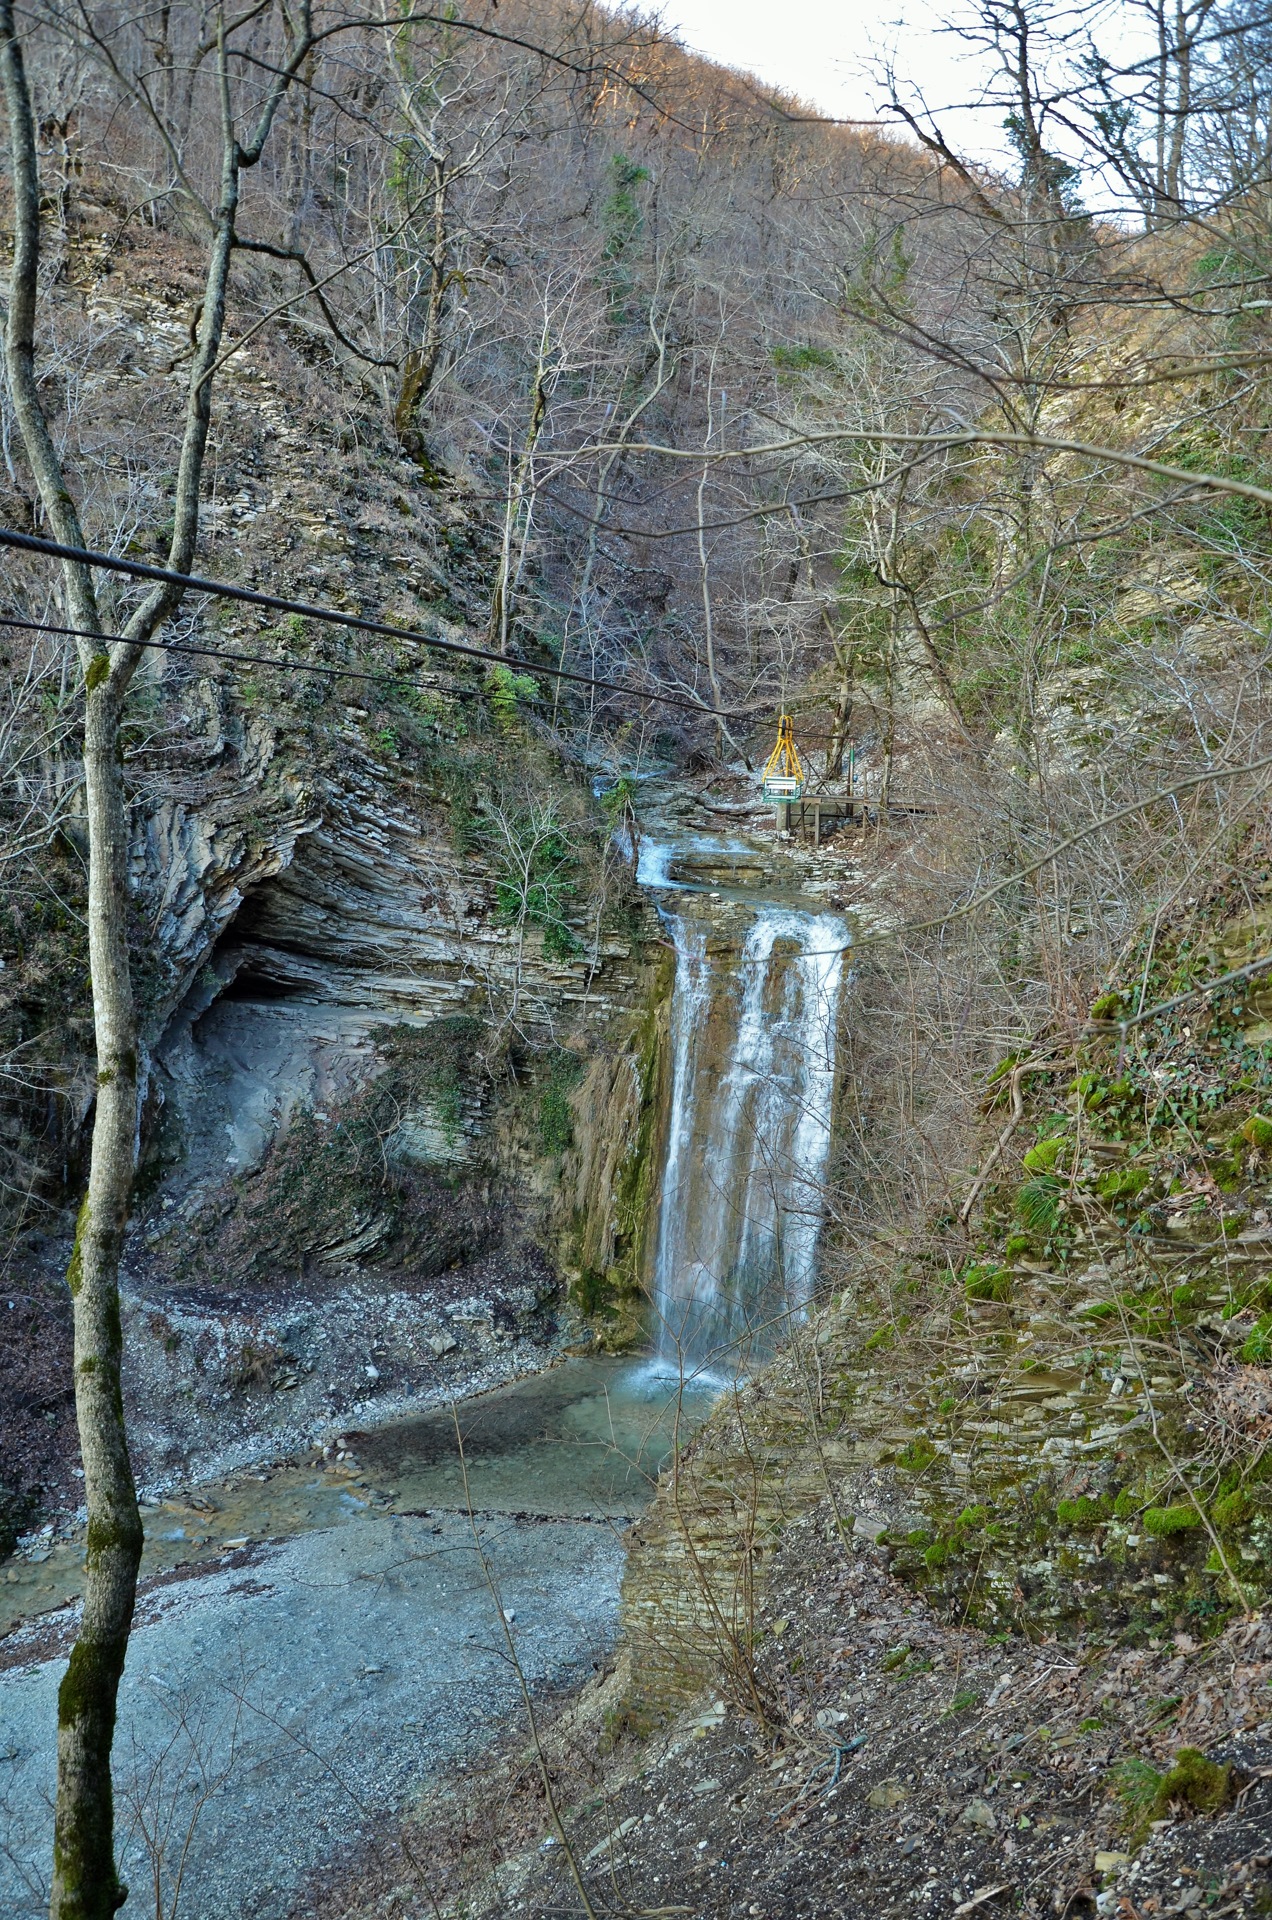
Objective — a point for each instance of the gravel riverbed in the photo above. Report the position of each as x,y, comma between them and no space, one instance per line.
273,1708
318,1641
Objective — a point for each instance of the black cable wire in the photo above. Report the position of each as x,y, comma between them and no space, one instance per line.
224,590
384,677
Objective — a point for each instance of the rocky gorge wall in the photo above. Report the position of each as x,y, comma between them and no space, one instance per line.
400,996
369,1186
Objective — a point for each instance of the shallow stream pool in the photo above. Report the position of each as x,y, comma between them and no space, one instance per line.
325,1637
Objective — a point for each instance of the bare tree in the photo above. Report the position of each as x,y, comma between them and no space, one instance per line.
111,643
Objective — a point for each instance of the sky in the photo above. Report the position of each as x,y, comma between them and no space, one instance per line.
825,51
830,53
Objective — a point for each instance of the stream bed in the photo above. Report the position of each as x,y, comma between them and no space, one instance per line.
295,1679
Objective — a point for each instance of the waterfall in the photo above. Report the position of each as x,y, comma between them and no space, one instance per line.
753,1063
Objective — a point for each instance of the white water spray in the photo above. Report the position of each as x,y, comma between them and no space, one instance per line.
753,1064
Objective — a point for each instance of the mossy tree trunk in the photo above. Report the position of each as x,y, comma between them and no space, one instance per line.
86,1885
841,722
85,1880
421,361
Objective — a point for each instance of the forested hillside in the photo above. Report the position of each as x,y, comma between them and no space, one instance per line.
572,408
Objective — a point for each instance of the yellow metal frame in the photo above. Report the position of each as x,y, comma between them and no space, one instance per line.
784,773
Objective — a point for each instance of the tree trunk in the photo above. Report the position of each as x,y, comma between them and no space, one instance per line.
499,609
85,1883
420,364
841,725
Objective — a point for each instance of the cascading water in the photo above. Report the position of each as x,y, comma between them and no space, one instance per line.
753,1062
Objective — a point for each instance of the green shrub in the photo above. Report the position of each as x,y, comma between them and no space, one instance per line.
621,216
1257,1347
1117,1102
801,359
556,1122
1136,1785
1037,1204
505,690
619,797
556,1117
536,863
1161,1522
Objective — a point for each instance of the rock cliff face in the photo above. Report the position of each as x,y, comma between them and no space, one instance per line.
400,994
350,915
369,1185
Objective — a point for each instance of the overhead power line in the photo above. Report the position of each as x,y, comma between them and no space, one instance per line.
277,603
381,676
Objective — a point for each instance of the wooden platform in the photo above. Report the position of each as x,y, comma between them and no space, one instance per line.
806,817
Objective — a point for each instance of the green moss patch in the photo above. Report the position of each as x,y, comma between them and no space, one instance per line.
1258,1131
1192,1784
1042,1158
1231,1508
987,1282
1161,1522
1122,1183
1204,1786
1082,1512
